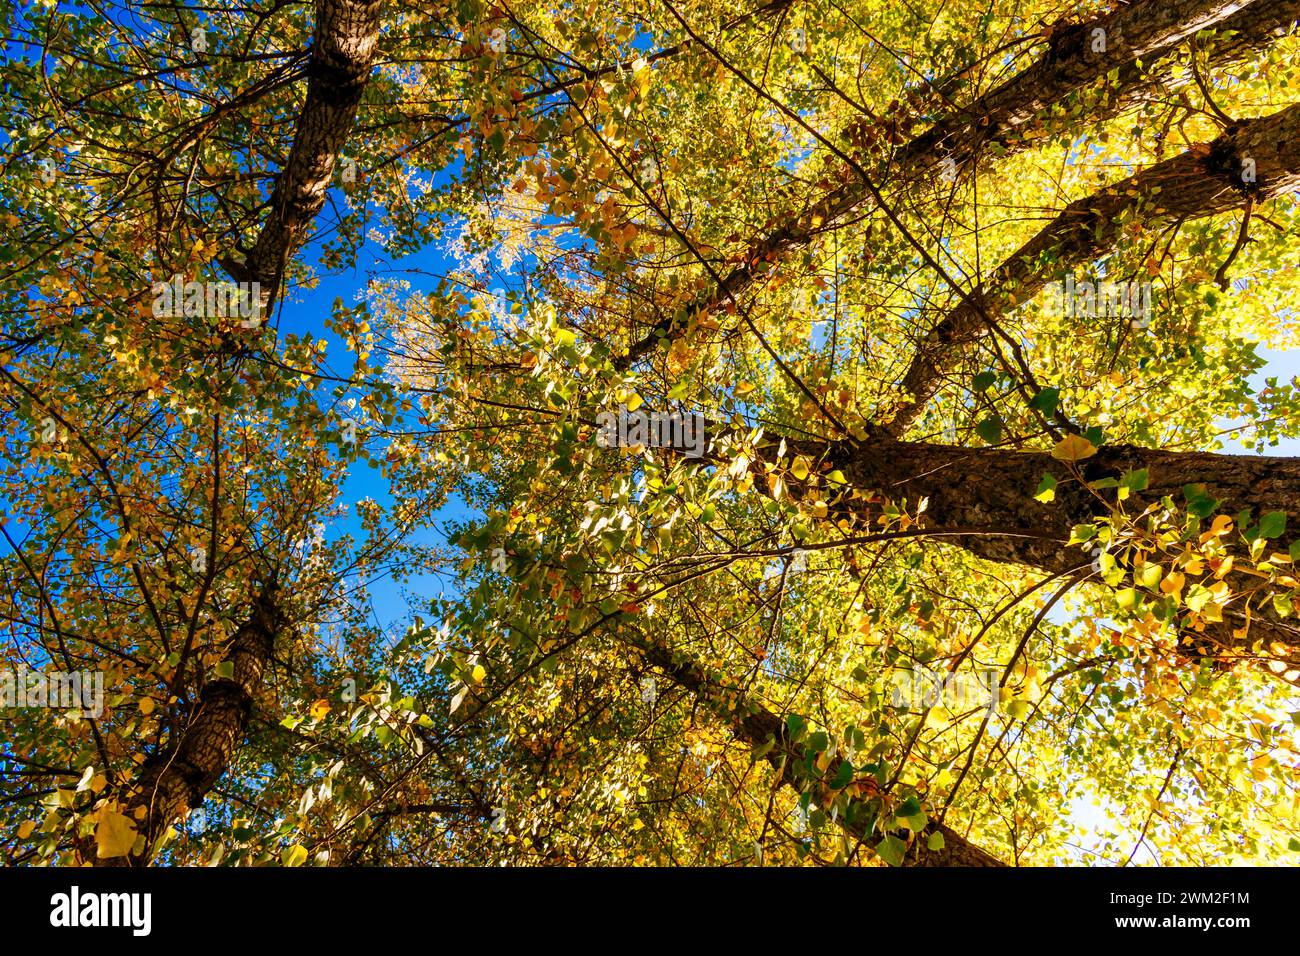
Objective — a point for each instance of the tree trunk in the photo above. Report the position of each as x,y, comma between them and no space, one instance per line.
756,725
343,51
989,492
1146,30
1190,186
176,779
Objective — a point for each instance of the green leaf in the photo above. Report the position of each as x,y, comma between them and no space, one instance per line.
1046,400
795,725
892,850
909,807
1272,525
226,670
934,841
1282,604
1200,504
984,379
1082,532
843,776
1046,488
1135,480
910,815
990,429
916,823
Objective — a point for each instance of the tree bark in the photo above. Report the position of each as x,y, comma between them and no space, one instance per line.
1190,186
177,778
755,725
1146,30
988,494
343,51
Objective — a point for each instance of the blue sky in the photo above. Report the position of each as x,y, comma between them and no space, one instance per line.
305,312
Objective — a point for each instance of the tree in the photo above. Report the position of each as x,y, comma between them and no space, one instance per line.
836,396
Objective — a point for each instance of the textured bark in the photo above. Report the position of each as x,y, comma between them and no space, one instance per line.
754,724
1146,30
176,779
343,50
1138,31
989,491
1247,33
1187,187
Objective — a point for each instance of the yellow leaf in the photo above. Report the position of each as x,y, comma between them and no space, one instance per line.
478,673
294,855
1073,448
25,829
114,834
800,467
1219,527
679,356
1173,583
320,708
146,705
